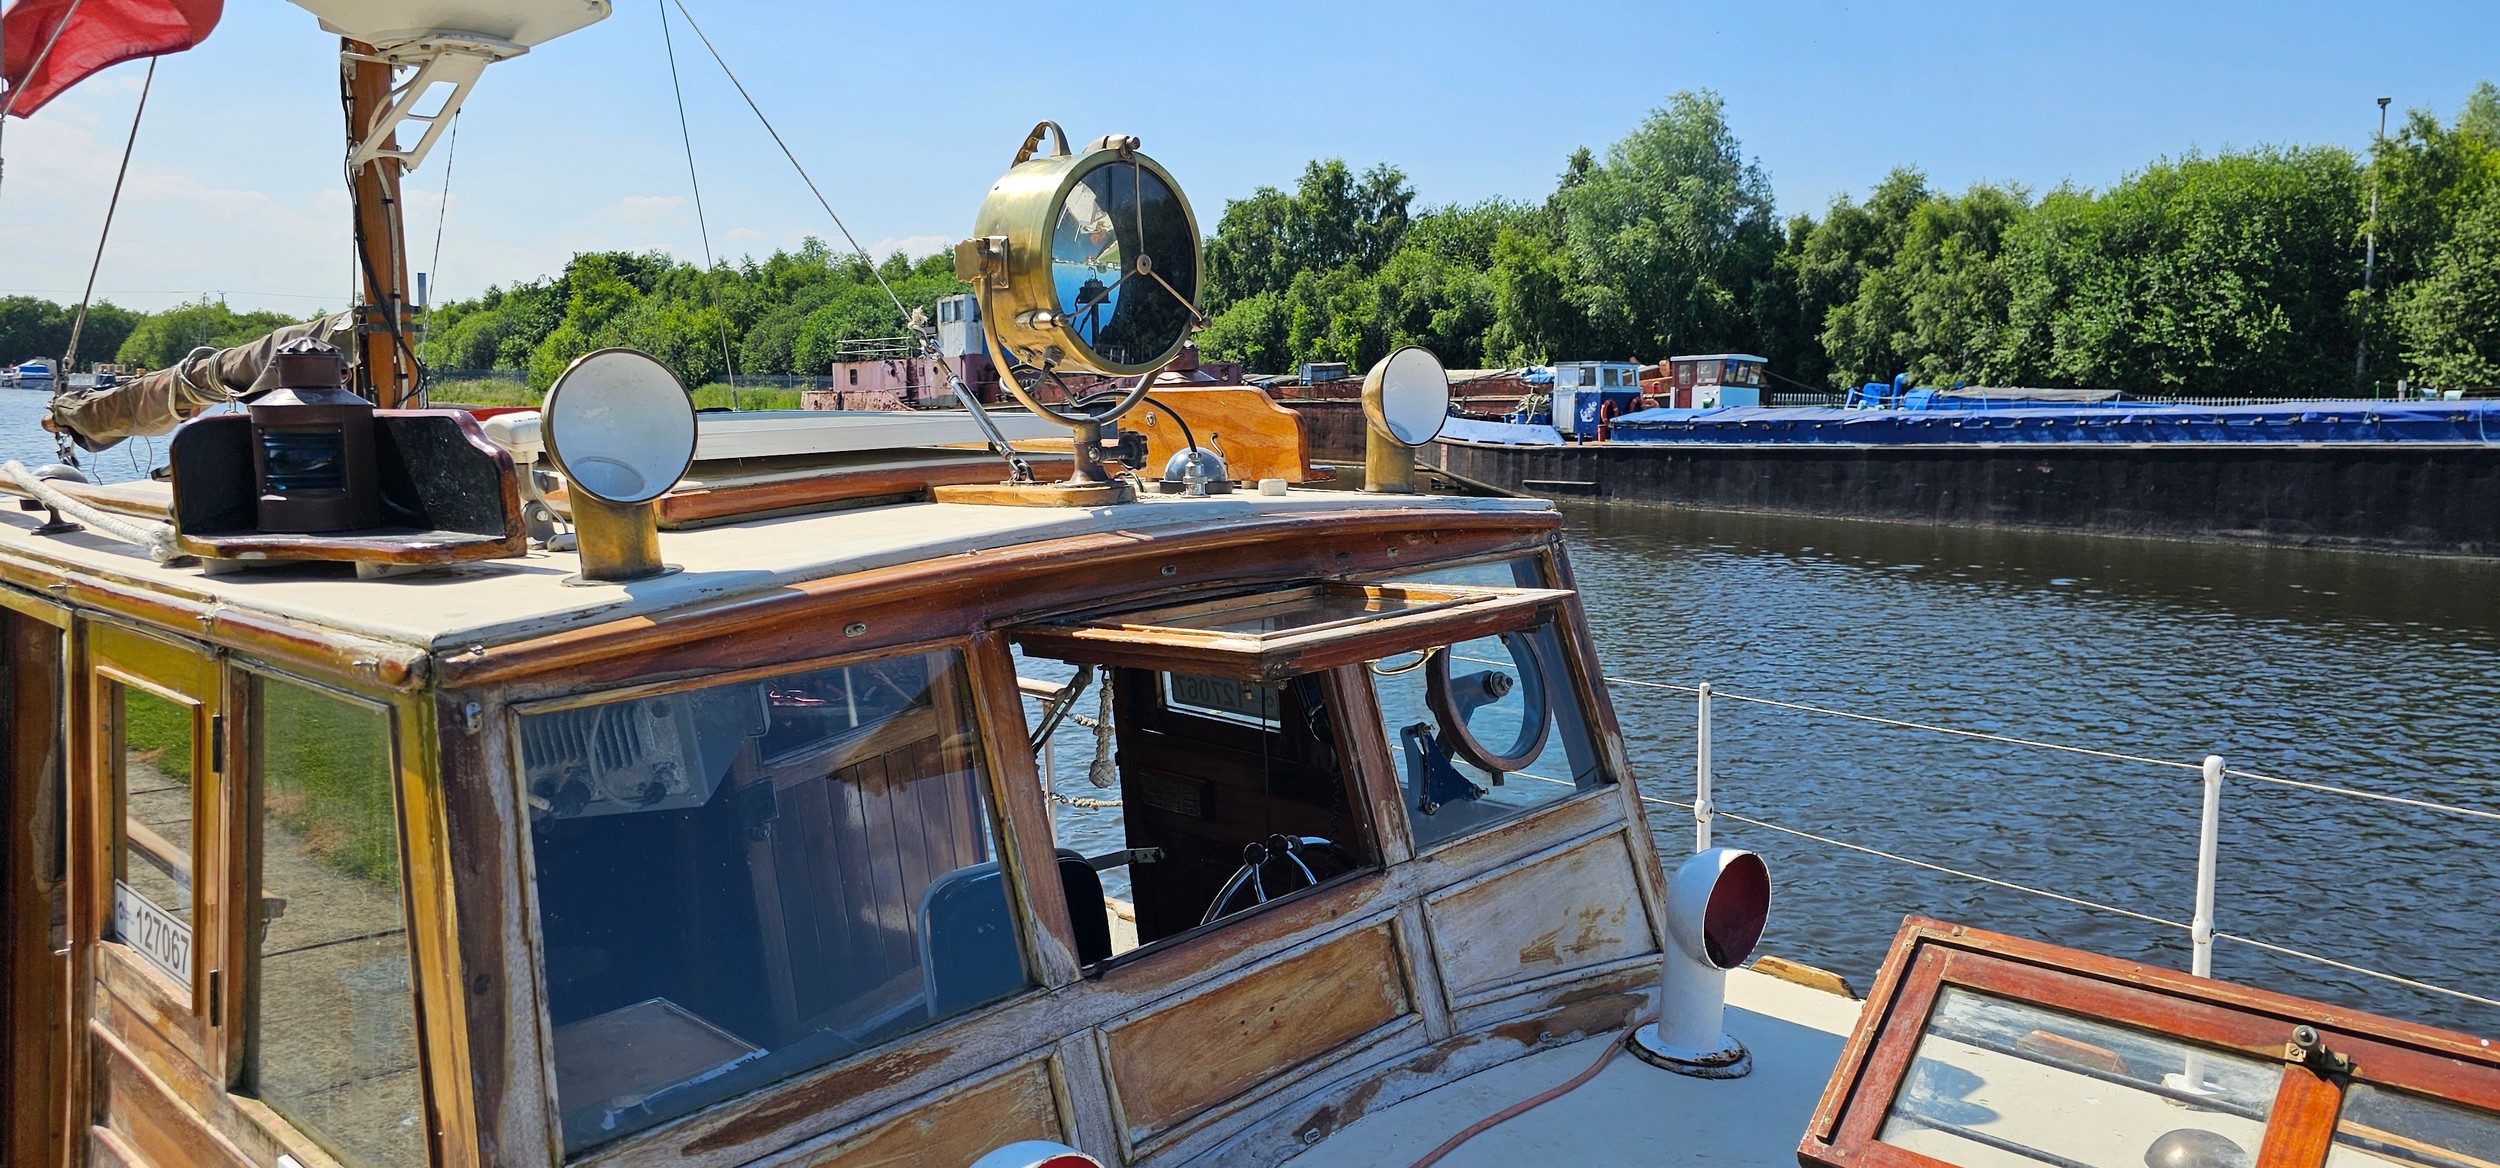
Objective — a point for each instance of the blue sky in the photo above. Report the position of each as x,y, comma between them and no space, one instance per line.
906,112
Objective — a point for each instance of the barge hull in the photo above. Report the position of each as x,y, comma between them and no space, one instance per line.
2411,497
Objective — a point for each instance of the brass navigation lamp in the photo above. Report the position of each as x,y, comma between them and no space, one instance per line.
312,448
1084,262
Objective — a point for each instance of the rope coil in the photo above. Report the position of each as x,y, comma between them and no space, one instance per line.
158,539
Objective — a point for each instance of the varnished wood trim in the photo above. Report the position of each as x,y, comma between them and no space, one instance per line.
492,938
27,604
1018,583
1021,808
2302,1125
161,603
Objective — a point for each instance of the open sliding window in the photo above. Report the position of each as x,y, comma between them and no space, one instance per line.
1983,1051
1237,744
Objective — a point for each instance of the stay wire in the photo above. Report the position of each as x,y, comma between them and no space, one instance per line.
702,225
9,102
442,212
945,366
812,188
78,324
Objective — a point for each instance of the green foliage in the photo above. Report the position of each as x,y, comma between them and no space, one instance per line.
166,337
326,780
2227,275
2237,274
158,729
1666,237
782,315
1333,219
32,327
2449,321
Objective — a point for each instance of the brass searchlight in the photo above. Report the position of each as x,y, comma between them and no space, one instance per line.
1083,262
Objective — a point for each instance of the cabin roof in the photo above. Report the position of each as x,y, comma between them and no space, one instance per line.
502,601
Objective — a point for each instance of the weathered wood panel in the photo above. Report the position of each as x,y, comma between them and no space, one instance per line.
1572,909
956,1129
138,1108
1177,1062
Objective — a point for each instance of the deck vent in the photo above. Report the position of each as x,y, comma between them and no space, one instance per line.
1716,906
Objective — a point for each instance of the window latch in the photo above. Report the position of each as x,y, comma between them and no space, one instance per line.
2309,1050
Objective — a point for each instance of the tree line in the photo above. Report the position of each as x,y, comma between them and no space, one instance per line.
2241,273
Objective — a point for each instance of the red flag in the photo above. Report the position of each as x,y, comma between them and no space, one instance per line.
98,34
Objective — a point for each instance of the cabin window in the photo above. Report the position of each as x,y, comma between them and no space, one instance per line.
1486,728
1235,793
1237,782
333,1043
739,883
155,750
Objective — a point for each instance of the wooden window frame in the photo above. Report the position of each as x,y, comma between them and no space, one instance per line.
1018,822
1929,955
1579,664
420,871
197,1018
1442,613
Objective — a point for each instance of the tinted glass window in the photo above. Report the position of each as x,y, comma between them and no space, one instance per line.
334,1045
1485,729
1998,1083
153,890
742,882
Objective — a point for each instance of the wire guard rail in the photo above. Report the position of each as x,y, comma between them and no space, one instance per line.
2211,771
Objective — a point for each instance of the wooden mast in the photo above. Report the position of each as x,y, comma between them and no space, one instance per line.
385,370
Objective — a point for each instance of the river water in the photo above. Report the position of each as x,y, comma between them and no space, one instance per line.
2372,671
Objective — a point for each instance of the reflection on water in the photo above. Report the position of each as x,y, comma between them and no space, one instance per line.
2372,671
22,438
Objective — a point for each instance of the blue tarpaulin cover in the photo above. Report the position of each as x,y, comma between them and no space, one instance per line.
2355,421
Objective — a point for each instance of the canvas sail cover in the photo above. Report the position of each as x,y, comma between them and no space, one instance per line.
47,46
154,403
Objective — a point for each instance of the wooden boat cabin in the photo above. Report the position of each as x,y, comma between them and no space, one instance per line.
753,862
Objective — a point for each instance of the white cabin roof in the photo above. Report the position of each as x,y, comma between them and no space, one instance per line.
502,601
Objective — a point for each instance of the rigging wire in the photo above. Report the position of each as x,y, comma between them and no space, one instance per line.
434,267
368,285
9,101
78,324
710,276
812,188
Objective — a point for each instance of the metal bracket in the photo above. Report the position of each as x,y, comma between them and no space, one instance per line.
453,60
2309,1050
1124,858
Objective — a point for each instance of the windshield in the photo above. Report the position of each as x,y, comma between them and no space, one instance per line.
742,882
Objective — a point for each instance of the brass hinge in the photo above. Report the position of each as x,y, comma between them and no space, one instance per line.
217,743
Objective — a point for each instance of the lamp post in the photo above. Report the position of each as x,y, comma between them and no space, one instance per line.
2369,254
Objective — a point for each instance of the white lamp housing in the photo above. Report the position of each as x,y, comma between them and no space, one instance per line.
1036,1154
447,42
1716,905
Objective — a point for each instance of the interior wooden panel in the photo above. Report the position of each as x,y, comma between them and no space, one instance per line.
1201,789
1175,1063
1573,909
960,1128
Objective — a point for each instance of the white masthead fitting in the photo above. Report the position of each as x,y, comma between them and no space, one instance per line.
447,42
